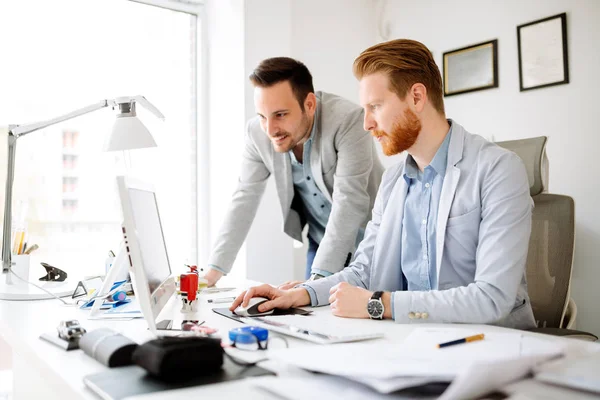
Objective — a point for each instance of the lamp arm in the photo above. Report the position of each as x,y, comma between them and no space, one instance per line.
13,134
22,130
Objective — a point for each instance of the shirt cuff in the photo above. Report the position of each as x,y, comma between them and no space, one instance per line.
321,272
311,293
393,308
212,266
404,308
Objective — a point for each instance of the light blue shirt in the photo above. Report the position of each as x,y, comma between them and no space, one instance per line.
420,219
315,206
419,222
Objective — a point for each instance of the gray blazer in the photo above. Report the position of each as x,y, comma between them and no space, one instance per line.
484,216
346,169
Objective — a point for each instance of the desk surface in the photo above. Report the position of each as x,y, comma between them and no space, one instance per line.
21,324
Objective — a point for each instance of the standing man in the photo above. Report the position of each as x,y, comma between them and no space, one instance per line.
325,166
450,229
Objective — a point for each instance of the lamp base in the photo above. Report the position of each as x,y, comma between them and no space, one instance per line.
24,291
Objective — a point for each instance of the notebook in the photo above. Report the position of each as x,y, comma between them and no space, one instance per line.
308,327
109,385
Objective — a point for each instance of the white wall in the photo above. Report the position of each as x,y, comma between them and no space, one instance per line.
566,113
270,253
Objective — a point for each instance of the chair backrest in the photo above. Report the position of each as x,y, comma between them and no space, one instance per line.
551,246
550,258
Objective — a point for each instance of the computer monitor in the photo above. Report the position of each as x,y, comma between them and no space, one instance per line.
145,248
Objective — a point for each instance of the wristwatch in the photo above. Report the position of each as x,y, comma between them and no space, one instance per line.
375,306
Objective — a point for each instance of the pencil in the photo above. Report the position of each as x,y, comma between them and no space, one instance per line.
31,249
463,340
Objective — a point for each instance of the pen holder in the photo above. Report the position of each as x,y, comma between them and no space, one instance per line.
20,265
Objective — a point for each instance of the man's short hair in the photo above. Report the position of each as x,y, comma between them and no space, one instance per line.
405,62
280,69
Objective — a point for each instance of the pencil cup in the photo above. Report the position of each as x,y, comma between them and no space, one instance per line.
20,265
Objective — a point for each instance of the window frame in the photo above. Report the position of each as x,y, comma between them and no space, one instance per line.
200,121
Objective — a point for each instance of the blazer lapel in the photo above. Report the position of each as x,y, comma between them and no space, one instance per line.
386,263
451,180
315,155
282,169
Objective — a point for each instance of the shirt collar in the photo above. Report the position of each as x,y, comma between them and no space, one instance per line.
411,169
440,160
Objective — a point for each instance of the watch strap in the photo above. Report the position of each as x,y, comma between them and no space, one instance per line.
377,295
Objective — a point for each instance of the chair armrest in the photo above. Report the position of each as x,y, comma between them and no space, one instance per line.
567,333
570,314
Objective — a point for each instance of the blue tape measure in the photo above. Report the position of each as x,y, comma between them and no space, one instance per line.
249,337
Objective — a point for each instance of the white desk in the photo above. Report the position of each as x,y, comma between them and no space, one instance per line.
42,370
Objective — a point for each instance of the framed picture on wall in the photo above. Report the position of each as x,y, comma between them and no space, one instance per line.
471,68
543,55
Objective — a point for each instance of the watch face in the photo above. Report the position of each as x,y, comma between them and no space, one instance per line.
375,308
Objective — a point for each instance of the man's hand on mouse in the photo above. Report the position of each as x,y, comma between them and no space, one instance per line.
282,299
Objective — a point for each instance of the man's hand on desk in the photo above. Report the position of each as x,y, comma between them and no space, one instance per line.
212,276
289,284
351,301
282,299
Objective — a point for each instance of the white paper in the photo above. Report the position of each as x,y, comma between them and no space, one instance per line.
314,329
385,367
481,378
374,360
494,346
321,387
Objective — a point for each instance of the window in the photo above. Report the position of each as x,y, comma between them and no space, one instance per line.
67,54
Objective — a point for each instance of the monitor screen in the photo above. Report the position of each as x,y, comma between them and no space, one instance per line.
150,237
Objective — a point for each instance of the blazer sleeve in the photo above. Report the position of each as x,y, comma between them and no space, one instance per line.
350,196
358,273
242,210
501,255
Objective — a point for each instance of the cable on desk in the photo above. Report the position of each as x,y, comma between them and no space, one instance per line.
39,287
242,363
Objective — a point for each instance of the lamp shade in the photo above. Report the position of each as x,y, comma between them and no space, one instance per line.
128,133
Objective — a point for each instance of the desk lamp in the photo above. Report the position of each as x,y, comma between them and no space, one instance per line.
128,133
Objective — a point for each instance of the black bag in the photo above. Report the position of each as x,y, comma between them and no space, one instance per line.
174,359
108,347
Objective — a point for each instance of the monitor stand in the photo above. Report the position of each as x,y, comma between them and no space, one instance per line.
120,264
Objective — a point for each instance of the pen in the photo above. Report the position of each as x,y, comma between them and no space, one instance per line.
222,300
31,249
459,341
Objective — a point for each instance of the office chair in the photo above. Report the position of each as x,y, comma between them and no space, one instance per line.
551,246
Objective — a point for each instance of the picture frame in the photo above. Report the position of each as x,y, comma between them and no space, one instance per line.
543,53
471,68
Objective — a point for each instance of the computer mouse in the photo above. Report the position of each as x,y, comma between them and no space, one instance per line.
252,309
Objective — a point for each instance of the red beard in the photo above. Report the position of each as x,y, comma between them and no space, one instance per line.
403,136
